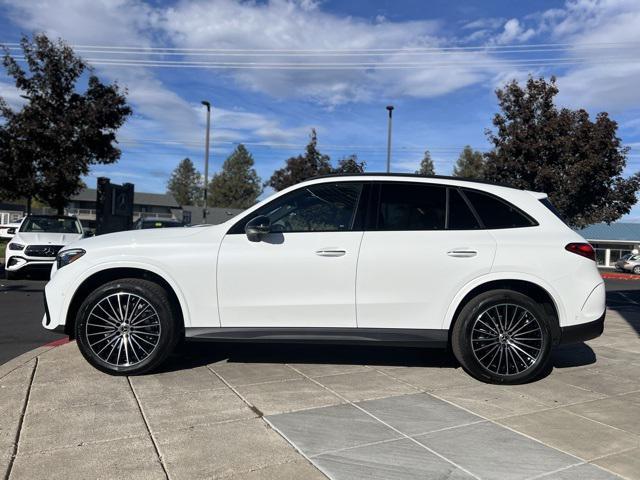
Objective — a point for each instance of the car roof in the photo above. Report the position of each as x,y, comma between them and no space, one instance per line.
409,176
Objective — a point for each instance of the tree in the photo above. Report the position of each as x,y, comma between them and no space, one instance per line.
470,164
237,185
302,167
578,162
185,184
59,133
426,165
350,164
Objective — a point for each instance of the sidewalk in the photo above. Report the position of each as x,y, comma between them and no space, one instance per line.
301,412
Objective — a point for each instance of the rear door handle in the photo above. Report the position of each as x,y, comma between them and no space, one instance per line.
331,252
462,253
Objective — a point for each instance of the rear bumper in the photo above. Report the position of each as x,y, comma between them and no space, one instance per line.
583,331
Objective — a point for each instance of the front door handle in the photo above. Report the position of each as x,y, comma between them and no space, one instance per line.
462,253
331,252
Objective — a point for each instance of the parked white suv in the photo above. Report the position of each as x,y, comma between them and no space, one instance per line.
37,242
490,271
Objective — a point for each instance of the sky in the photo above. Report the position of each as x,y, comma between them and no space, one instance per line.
274,69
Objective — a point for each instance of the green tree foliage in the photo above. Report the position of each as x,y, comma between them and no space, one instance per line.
301,167
470,164
237,185
350,164
426,165
185,184
59,133
578,162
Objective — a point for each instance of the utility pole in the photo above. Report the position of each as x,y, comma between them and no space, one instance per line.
206,160
390,109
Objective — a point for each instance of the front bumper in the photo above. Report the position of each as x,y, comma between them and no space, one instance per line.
582,332
15,263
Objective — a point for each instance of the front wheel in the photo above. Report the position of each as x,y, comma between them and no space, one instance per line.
126,327
502,336
636,269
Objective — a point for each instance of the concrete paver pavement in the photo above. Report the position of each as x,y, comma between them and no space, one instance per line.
292,412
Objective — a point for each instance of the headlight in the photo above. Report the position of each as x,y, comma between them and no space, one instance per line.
16,246
69,256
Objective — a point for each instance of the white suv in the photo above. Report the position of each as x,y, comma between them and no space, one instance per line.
37,242
490,271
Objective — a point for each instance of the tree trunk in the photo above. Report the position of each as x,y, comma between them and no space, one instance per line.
29,205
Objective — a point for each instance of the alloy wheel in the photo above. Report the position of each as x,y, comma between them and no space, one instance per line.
507,339
123,329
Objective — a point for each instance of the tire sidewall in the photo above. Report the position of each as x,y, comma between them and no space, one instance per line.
153,294
461,336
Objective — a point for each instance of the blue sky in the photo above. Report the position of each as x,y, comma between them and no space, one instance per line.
275,69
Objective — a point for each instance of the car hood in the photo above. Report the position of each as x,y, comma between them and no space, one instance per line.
43,238
141,238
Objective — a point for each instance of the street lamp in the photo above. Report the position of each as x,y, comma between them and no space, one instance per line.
390,109
206,160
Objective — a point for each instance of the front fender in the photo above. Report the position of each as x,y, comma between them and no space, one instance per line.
65,283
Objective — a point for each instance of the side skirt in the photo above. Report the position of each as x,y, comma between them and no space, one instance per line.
351,336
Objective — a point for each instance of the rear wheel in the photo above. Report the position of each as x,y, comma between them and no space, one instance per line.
502,336
126,327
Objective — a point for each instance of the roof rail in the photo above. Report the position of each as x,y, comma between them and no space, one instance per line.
413,175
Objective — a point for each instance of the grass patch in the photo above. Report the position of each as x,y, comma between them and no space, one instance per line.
3,246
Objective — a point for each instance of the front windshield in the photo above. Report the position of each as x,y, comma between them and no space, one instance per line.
37,224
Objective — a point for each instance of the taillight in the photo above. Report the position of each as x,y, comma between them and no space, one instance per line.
582,249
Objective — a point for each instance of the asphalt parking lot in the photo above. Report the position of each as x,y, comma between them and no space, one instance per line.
312,412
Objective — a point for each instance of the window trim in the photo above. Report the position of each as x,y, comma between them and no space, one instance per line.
363,201
372,224
533,221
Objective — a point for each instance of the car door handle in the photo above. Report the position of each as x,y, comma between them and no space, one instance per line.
331,252
462,253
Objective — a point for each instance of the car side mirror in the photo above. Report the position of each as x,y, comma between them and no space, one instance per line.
257,227
88,234
11,231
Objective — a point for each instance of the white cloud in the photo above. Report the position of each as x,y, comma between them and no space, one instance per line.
11,95
514,32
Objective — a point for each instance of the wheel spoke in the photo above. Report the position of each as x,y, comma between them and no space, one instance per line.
123,329
506,339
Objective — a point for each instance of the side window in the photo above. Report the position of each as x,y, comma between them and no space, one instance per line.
406,206
495,213
460,215
324,207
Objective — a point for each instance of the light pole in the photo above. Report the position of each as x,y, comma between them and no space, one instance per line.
206,160
390,109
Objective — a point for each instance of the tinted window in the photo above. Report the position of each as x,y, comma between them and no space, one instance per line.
405,206
460,215
50,225
323,207
496,213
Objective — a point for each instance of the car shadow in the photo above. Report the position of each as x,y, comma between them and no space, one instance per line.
196,354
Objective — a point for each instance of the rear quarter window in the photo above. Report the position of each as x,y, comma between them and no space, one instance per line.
497,213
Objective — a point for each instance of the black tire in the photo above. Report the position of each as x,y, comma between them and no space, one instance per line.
480,327
636,269
149,326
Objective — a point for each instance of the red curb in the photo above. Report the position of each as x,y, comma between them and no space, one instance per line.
620,276
57,343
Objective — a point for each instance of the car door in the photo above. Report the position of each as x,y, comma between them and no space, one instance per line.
301,274
423,246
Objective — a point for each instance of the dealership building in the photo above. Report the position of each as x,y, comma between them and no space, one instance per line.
147,205
612,241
